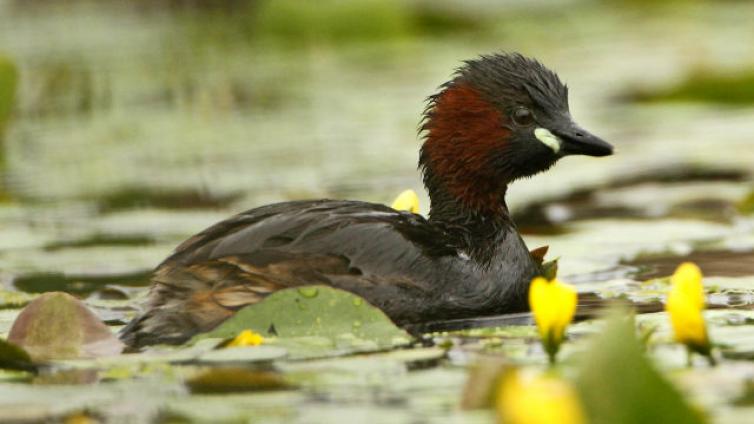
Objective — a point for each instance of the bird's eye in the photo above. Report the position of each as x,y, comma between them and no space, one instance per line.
523,117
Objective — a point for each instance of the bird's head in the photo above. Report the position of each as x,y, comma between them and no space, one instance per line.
501,118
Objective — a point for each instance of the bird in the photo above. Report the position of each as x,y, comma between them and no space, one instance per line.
501,117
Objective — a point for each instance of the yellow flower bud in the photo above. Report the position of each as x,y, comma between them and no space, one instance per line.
246,338
406,201
685,304
553,304
537,399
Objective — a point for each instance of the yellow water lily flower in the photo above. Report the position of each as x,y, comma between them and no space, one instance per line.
538,399
553,304
406,201
685,304
246,338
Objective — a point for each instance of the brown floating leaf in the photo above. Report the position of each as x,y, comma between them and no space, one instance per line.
67,377
58,326
481,385
236,379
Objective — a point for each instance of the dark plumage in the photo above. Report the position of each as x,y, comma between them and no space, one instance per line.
502,117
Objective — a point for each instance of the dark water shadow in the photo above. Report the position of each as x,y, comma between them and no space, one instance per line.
99,240
590,306
165,198
81,285
719,263
537,217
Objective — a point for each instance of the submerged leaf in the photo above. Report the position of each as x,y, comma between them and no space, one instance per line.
58,326
619,385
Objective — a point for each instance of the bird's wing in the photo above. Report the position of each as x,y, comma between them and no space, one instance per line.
366,248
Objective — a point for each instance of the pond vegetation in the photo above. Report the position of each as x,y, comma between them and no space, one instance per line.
125,129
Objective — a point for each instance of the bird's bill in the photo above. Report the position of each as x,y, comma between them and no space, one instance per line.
577,141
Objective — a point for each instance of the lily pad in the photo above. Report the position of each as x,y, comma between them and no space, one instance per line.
484,377
619,384
14,299
14,357
244,354
59,326
316,321
236,379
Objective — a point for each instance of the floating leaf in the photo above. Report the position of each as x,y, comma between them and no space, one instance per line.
229,380
80,418
619,385
481,386
14,299
746,205
244,354
8,83
68,377
316,321
58,326
14,357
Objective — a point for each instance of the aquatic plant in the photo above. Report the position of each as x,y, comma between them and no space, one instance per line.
685,304
537,399
553,304
246,338
406,201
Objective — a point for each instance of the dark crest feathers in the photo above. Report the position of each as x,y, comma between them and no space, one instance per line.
507,79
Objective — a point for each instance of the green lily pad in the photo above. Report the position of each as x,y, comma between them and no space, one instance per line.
14,299
316,321
618,384
58,326
244,354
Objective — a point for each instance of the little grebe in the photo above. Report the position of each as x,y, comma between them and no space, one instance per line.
501,117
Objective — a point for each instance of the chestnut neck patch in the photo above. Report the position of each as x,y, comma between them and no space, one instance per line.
465,137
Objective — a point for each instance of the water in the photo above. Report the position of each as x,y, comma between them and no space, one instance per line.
138,126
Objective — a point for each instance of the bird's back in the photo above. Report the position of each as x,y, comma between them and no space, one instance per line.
397,260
